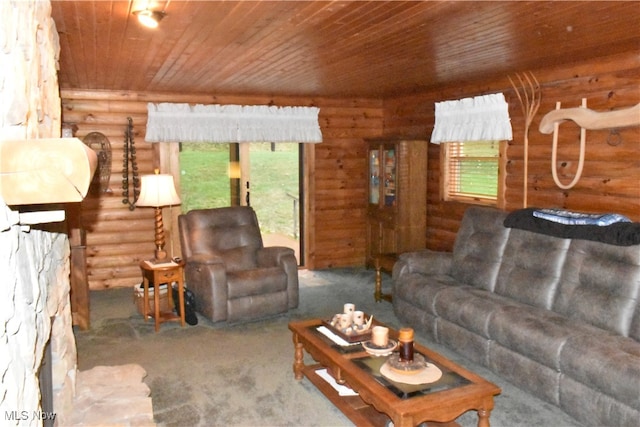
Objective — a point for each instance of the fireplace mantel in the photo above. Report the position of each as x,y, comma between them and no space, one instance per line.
45,173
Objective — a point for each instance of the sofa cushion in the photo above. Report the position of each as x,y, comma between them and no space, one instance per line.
241,258
526,373
477,251
409,314
421,290
424,261
600,285
594,408
536,333
469,307
232,237
255,282
606,362
473,346
203,231
256,306
531,267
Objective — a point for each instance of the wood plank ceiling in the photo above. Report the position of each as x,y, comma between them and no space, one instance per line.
329,48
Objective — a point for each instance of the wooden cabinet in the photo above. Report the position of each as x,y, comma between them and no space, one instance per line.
397,196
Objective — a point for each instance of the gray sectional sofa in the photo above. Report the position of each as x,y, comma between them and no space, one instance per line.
558,317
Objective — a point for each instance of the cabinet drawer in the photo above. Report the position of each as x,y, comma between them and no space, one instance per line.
168,276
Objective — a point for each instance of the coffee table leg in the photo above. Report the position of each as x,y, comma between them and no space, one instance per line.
483,418
298,364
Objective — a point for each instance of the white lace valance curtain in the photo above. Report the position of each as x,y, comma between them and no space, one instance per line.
169,122
481,118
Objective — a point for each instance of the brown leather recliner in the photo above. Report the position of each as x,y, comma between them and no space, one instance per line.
233,276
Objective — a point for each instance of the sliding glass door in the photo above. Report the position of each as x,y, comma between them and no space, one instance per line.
270,183
263,175
204,180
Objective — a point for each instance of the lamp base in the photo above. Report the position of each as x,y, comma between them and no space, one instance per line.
160,258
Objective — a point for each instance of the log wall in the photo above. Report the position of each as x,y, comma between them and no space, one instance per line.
117,238
611,176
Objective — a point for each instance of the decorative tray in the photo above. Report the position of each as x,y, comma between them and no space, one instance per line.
353,337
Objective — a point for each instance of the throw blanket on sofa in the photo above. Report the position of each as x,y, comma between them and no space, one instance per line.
618,233
577,218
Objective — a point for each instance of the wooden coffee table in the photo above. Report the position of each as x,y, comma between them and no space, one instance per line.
379,399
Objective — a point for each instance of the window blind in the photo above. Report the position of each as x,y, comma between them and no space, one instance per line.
472,169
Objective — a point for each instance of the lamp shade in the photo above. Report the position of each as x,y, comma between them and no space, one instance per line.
157,190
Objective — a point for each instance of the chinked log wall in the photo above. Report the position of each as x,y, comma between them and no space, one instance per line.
117,238
611,177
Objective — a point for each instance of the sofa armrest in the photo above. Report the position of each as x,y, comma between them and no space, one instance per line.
206,276
423,262
274,256
205,259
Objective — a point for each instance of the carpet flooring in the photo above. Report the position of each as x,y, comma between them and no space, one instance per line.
241,375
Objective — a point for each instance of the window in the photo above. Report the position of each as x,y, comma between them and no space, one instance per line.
470,171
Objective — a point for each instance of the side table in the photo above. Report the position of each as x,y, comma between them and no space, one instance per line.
158,274
383,262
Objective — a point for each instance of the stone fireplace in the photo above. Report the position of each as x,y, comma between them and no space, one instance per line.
35,308
34,259
35,304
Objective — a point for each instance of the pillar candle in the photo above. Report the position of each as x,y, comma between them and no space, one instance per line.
405,338
380,336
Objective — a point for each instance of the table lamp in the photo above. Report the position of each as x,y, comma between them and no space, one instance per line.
156,191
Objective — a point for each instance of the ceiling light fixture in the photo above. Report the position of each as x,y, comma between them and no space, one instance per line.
150,18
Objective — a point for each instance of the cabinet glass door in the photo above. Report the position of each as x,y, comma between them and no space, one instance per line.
389,176
374,177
